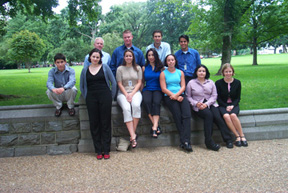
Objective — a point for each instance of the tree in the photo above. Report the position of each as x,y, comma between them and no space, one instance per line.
219,24
265,21
26,47
112,41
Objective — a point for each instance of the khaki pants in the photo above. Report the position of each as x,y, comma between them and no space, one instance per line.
68,96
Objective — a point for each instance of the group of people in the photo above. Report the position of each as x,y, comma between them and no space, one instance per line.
180,80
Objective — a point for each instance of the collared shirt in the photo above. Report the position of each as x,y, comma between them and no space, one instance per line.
163,50
106,59
188,62
197,92
118,55
58,79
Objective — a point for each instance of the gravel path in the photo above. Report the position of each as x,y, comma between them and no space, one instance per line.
261,167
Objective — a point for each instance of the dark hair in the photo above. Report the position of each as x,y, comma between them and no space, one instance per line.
176,62
157,31
59,56
98,51
227,65
185,37
158,63
197,68
133,61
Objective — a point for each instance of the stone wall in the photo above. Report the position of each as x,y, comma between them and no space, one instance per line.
34,130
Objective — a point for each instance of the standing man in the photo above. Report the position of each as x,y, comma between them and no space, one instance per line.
118,54
99,44
188,58
162,48
61,85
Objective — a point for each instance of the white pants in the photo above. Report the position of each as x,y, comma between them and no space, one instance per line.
130,110
68,96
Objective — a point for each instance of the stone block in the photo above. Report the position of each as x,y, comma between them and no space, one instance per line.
6,152
21,128
85,134
68,137
120,131
48,138
84,125
83,114
61,149
70,125
119,122
29,139
165,119
8,140
271,119
30,151
4,128
38,126
54,126
247,121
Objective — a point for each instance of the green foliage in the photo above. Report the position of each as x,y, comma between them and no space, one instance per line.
26,47
263,86
111,41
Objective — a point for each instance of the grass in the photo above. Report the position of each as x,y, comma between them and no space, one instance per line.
264,86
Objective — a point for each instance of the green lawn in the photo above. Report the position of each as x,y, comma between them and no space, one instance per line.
263,86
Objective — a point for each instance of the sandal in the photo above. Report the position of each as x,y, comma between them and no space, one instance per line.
238,142
72,112
244,141
134,143
159,130
154,133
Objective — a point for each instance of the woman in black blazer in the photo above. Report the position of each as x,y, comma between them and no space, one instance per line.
229,94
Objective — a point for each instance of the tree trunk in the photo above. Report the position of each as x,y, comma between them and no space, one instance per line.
226,52
284,49
275,48
255,51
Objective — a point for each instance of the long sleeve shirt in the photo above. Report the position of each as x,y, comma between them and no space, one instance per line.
187,62
118,55
58,79
224,94
197,92
163,50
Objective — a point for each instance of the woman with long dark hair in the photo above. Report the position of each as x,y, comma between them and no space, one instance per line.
152,94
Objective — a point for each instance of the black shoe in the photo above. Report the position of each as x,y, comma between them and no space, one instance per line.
213,146
186,146
238,142
229,145
159,130
154,133
244,143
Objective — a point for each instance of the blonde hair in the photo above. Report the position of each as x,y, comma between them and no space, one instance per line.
225,66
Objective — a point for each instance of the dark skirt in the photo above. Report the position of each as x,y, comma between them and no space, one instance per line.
235,110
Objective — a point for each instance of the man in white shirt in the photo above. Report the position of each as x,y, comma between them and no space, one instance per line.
162,48
99,44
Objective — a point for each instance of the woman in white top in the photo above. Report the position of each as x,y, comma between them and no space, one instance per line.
129,80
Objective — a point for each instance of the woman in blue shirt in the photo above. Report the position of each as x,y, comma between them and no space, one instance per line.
172,83
152,95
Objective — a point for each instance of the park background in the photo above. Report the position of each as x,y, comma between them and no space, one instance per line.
222,31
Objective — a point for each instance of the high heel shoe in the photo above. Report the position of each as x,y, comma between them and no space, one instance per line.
154,133
244,142
159,131
238,142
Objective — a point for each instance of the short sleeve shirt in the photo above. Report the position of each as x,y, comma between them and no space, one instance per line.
128,76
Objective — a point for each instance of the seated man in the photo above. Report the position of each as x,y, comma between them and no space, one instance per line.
61,85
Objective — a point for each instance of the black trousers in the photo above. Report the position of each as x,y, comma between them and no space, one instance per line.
152,101
99,111
182,116
213,115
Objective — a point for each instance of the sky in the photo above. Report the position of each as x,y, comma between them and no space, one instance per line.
106,4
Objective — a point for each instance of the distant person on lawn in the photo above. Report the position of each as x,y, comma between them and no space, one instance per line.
61,85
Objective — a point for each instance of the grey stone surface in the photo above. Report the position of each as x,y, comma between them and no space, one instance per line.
61,149
30,151
67,137
4,128
29,139
84,125
48,138
70,125
54,126
6,152
8,140
271,119
38,126
20,128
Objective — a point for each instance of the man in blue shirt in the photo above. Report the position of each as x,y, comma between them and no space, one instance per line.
162,48
118,54
61,85
99,44
188,58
